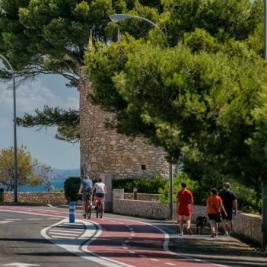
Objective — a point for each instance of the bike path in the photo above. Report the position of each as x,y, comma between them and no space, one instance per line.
121,242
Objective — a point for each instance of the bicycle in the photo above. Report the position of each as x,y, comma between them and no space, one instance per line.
88,207
99,207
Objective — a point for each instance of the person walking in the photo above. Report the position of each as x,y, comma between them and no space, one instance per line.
230,204
86,192
184,200
214,208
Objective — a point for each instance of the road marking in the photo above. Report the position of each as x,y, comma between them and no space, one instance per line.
3,222
63,234
20,264
154,259
169,263
74,246
58,230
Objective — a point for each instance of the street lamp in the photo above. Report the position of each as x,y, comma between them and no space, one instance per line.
121,17
15,127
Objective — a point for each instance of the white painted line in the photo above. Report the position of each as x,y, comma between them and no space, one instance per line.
14,219
3,222
154,259
131,251
34,213
132,234
58,230
63,234
125,247
169,263
75,245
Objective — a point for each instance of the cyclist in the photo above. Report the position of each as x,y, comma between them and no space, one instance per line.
86,191
99,192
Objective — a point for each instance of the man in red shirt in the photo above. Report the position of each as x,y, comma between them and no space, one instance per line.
184,200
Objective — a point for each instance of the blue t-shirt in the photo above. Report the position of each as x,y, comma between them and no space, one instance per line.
87,184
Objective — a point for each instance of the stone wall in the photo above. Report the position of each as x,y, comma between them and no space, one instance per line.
147,209
38,198
142,196
248,226
105,152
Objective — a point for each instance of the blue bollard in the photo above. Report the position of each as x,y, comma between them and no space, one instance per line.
72,205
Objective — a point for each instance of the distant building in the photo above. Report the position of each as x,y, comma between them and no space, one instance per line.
104,152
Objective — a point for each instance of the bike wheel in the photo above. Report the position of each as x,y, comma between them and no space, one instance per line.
97,211
101,211
89,212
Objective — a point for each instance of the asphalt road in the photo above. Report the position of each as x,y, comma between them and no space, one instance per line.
22,242
42,236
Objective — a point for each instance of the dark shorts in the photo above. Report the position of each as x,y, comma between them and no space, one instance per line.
86,195
229,214
215,217
99,194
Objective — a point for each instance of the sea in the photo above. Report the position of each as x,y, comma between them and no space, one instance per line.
56,183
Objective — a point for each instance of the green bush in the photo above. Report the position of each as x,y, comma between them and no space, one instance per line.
177,180
248,199
143,185
71,188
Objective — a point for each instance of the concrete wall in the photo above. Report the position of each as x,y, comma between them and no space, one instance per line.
105,152
248,226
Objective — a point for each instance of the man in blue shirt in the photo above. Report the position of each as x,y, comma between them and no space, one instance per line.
86,191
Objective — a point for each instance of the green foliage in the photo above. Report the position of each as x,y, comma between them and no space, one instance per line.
29,170
249,200
51,36
144,185
177,180
66,121
71,188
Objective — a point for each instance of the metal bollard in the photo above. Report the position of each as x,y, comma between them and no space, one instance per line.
72,206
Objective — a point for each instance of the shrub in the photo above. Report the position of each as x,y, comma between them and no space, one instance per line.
248,199
71,188
143,185
177,180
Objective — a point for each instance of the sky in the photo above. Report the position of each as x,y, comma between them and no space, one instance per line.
41,143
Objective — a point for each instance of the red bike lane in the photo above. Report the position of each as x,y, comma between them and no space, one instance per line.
130,242
137,244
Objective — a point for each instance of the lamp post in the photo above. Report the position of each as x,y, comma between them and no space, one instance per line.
264,191
121,17
14,127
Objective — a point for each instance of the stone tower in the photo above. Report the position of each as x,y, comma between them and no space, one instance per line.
105,153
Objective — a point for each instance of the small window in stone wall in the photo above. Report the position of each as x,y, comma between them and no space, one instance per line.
143,167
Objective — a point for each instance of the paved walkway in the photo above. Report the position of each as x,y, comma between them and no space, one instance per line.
124,241
225,250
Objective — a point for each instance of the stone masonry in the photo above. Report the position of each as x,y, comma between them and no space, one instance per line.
105,153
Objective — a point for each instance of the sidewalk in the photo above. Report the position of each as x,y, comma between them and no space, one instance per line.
224,250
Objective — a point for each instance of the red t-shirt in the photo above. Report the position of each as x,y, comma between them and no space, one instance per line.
185,198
